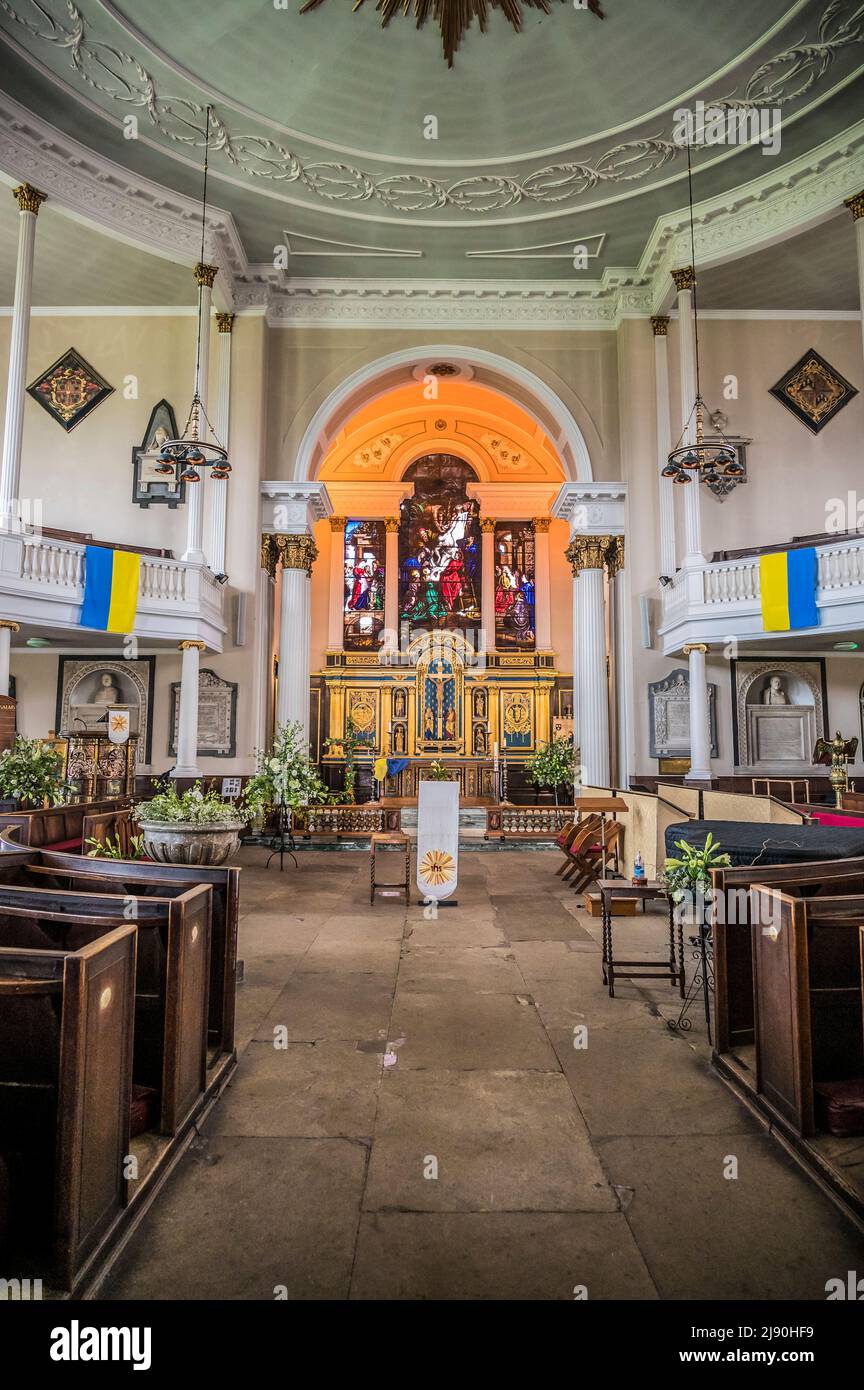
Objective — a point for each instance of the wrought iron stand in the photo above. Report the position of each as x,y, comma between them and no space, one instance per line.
702,952
285,833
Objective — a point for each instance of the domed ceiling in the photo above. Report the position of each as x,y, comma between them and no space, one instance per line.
360,152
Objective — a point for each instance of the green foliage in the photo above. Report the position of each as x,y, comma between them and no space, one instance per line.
436,772
690,875
349,745
30,771
285,774
194,807
553,765
112,849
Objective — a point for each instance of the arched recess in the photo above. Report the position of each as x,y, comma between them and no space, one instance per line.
376,378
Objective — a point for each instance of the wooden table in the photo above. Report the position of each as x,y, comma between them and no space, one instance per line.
390,840
653,970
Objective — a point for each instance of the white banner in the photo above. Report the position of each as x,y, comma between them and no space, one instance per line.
437,839
118,725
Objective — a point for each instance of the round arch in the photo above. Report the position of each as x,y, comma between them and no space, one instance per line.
499,373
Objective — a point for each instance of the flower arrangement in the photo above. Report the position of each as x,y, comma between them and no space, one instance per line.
553,765
688,877
436,772
194,807
30,772
285,775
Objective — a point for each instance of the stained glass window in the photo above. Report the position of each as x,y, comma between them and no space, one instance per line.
514,586
439,547
363,607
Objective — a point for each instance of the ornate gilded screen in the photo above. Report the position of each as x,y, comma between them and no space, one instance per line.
363,607
439,547
514,586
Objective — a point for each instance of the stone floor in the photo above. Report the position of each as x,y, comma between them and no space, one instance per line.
427,1128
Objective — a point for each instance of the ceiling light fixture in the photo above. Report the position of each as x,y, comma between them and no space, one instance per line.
715,459
455,16
190,452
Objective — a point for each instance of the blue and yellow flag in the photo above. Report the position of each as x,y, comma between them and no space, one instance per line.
788,583
111,580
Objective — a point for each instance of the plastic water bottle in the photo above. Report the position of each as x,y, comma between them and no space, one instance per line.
639,869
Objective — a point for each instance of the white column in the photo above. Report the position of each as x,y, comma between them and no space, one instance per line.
391,580
7,627
187,732
296,555
685,279
487,582
542,587
587,555
856,207
623,662
660,324
700,733
194,552
336,612
221,424
29,201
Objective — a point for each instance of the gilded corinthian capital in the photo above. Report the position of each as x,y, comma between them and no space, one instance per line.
684,277
205,274
29,199
856,205
296,552
588,553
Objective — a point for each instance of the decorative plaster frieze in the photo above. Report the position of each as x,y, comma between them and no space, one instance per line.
592,508
293,507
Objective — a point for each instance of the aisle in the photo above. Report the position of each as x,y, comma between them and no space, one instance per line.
429,1130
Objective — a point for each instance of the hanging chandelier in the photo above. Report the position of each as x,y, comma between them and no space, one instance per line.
453,17
190,452
714,458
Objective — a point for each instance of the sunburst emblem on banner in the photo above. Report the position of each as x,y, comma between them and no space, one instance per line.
437,867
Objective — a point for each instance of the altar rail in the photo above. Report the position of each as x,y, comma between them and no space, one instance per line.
723,599
334,821
527,822
42,582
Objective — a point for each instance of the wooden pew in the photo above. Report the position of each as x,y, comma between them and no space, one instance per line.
172,975
164,880
59,826
107,827
66,1020
809,1023
730,923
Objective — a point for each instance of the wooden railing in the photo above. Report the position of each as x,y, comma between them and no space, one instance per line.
341,820
527,822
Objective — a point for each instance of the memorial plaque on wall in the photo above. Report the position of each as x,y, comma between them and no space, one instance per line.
217,716
7,721
669,716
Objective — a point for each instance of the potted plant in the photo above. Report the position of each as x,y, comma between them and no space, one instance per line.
195,828
285,777
688,877
436,772
553,765
30,773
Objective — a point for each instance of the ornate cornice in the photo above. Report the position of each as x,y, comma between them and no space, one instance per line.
225,322
205,274
660,325
684,277
855,204
296,552
29,199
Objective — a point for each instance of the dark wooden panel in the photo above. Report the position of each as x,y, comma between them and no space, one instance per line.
185,1070
784,1075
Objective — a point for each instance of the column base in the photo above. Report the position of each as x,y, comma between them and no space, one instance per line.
192,772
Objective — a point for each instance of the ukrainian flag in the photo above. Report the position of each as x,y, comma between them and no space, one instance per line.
788,583
111,580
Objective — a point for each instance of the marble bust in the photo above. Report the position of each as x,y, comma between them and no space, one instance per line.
107,694
774,694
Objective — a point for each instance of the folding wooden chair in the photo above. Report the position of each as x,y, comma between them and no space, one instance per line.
588,861
584,833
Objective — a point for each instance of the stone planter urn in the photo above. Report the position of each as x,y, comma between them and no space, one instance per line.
180,843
